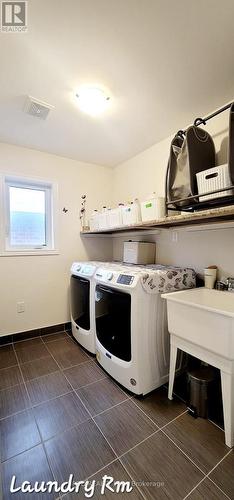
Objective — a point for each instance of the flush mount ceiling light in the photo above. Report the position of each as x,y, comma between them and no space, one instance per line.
92,100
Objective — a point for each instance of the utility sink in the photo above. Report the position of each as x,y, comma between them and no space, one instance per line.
204,317
201,323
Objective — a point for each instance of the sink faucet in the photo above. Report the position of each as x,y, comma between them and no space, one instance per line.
230,284
225,284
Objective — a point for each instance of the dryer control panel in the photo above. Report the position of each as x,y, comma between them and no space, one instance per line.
115,277
83,269
125,279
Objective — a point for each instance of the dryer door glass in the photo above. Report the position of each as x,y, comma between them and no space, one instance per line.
113,321
80,299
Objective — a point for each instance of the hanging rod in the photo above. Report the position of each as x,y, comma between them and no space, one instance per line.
202,121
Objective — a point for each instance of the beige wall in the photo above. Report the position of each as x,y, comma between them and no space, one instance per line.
144,174
42,281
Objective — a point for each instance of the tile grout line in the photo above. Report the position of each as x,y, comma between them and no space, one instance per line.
226,455
57,363
195,487
37,378
77,425
108,409
165,425
130,475
39,337
86,385
173,420
35,405
157,430
95,424
92,418
216,425
161,429
42,443
11,386
185,454
217,486
97,472
30,338
210,479
207,477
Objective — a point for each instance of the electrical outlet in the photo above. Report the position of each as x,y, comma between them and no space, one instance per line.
20,307
174,236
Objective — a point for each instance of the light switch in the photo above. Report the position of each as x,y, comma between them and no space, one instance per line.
20,307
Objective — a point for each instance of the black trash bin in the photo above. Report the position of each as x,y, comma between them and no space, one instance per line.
199,384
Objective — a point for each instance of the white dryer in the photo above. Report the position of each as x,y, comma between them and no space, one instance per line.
132,340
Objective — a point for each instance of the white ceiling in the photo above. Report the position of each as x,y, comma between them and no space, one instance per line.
164,63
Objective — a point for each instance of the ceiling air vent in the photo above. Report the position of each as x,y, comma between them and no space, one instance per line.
37,108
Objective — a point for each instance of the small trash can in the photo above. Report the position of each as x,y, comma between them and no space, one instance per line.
199,382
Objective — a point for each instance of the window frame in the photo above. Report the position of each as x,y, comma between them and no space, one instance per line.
51,194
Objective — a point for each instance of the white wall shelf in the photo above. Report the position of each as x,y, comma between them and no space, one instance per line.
121,234
206,220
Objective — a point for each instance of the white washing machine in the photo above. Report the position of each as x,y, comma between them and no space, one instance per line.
132,340
82,300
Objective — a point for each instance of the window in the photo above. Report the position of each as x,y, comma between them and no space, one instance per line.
28,215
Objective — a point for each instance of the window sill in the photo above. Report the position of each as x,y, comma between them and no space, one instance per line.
17,253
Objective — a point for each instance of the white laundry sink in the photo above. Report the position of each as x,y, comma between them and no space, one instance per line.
204,317
201,323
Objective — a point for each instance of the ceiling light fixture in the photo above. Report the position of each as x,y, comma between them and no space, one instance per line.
92,100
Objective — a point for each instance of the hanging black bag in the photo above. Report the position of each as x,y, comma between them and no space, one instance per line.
188,155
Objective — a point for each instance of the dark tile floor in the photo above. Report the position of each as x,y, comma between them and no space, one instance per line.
60,414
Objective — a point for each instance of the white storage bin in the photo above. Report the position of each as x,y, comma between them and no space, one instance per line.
103,219
115,217
212,179
139,252
153,209
131,214
94,221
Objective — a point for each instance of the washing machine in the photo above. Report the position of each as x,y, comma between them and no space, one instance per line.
82,301
132,339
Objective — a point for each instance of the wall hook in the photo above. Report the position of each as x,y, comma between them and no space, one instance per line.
65,210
